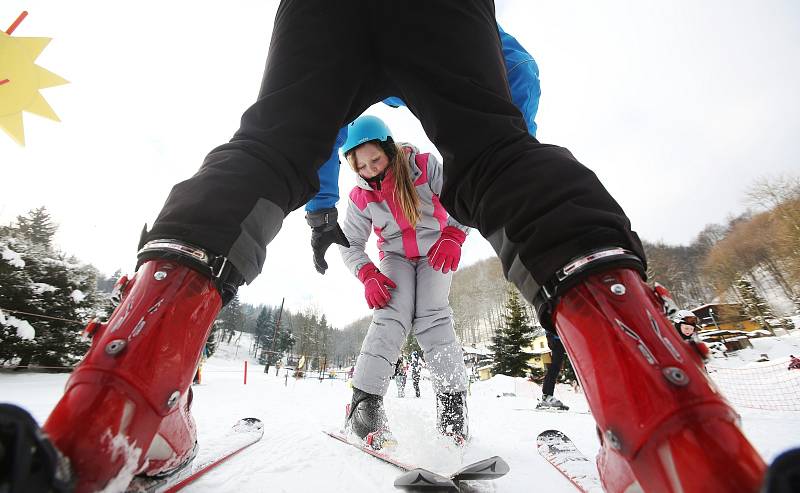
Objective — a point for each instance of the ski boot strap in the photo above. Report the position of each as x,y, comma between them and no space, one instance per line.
219,269
575,271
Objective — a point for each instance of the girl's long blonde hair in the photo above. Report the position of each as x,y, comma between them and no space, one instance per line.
404,193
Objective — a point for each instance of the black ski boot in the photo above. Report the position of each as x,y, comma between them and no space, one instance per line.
549,402
367,419
28,461
451,414
783,476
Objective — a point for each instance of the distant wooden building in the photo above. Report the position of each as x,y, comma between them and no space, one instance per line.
724,316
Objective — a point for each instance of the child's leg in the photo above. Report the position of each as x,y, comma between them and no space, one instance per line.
433,328
388,330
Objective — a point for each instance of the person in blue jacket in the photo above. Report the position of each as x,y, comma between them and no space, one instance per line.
321,214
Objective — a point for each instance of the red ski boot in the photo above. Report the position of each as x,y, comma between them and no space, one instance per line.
662,423
125,410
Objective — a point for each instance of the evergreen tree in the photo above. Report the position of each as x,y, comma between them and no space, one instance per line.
412,345
231,318
106,285
265,329
37,227
511,338
285,340
212,343
48,295
754,304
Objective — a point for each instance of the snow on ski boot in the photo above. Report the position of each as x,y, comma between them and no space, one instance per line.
367,419
28,461
125,409
662,423
550,402
451,416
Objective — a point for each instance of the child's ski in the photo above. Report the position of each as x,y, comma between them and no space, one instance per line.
417,478
423,480
369,450
558,450
244,433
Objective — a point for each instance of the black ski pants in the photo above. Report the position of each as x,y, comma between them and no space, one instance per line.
330,60
557,353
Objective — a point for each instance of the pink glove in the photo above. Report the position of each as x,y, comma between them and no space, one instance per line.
375,286
446,252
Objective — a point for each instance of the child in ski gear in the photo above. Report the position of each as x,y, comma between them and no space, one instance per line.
321,214
397,196
557,353
561,238
794,362
686,324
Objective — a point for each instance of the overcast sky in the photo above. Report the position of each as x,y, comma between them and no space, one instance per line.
677,106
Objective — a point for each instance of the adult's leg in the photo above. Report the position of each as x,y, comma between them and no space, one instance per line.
568,246
138,375
433,328
538,206
318,77
388,330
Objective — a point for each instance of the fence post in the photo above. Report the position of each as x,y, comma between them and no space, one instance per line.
245,372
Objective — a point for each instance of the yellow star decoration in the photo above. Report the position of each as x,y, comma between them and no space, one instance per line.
20,81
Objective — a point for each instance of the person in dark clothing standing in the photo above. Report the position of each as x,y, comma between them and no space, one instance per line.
561,237
416,369
557,354
400,376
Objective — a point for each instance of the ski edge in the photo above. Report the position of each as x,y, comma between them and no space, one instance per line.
485,469
375,453
208,467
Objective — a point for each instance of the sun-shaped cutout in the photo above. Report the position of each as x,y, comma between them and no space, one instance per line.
20,81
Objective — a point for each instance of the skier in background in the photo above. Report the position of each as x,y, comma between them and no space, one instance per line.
400,376
557,354
416,369
686,324
198,376
561,238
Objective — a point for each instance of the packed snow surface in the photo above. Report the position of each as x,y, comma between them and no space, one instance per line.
295,456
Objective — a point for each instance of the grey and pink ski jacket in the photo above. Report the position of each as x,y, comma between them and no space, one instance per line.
376,210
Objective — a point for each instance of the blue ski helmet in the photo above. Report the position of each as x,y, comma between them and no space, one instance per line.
363,129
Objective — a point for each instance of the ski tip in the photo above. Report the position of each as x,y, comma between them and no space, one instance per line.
424,480
551,434
248,425
491,468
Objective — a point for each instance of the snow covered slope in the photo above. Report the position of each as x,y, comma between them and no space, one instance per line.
295,456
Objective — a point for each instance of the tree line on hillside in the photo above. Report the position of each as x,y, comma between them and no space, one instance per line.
753,259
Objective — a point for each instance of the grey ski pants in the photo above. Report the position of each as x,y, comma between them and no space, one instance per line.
419,303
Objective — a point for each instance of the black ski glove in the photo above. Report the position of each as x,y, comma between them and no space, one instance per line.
324,231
